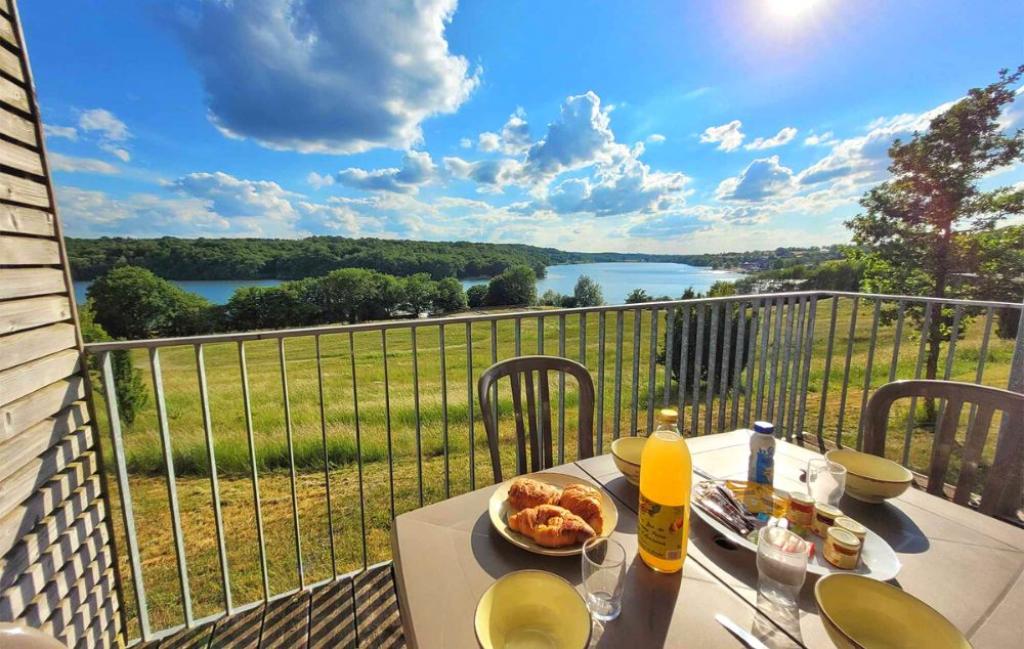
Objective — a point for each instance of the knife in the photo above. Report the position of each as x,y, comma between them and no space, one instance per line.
743,636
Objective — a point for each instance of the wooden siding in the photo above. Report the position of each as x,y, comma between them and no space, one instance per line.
59,569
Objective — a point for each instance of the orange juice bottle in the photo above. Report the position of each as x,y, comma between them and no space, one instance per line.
665,473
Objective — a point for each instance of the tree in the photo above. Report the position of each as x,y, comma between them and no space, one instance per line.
418,293
638,296
270,307
1000,258
132,302
476,295
347,294
587,292
516,286
128,386
551,297
449,296
915,231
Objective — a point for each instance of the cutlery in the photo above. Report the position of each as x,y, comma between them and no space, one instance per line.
742,635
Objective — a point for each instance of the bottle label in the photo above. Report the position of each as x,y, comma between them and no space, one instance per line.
660,529
764,465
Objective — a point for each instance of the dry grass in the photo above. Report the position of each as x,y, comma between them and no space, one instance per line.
442,422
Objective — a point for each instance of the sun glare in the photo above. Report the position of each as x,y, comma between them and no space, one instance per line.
789,9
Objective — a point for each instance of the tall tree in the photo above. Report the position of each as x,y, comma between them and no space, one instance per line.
131,302
517,286
915,231
587,292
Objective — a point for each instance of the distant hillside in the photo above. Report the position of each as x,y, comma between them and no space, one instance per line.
195,259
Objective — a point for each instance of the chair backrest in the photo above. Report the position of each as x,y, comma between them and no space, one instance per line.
1001,493
520,371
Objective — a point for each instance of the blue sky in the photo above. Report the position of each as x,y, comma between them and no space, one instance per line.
634,126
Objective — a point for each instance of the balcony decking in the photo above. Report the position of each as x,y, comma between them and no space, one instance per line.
353,611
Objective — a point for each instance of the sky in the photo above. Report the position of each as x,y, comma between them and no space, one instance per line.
655,126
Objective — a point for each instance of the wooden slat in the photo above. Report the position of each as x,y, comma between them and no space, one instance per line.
92,587
332,617
28,251
240,631
17,315
7,31
10,64
26,346
79,629
33,544
5,6
286,623
24,191
13,94
28,282
377,618
99,631
17,127
26,220
44,501
36,473
35,579
53,583
25,379
19,157
19,451
33,408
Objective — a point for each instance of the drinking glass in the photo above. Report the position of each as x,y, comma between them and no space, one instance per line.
604,570
781,565
826,481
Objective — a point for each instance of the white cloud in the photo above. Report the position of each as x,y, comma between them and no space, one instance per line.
784,136
105,123
580,137
254,203
763,178
655,138
492,175
515,134
488,141
820,139
624,187
66,132
316,76
73,164
118,152
727,136
417,170
466,143
91,212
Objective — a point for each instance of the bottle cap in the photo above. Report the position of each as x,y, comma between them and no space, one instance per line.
668,415
764,427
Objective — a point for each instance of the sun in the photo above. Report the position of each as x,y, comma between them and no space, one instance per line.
789,9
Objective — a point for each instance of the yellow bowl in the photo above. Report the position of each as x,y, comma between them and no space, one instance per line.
626,452
863,613
870,478
532,608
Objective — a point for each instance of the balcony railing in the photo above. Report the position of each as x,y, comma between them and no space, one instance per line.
266,462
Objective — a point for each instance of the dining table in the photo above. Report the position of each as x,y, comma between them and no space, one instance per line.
967,566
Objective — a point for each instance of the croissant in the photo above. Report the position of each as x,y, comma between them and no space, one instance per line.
551,526
585,502
526,492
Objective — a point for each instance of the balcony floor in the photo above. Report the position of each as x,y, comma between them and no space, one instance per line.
359,611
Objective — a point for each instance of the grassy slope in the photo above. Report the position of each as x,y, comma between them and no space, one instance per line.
228,423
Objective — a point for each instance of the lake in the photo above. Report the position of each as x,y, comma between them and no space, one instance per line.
617,279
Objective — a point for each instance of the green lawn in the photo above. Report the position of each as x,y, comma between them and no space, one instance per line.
425,436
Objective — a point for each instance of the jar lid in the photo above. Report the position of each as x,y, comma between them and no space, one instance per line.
828,510
800,497
847,523
843,538
764,427
668,415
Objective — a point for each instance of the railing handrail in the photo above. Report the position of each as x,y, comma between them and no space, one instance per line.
405,323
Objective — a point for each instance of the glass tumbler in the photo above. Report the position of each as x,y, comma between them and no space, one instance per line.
781,565
604,570
826,481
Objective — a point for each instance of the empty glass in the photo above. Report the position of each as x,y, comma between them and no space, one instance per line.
781,565
826,481
604,570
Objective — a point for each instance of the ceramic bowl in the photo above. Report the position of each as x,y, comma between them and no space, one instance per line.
532,608
870,478
626,452
862,613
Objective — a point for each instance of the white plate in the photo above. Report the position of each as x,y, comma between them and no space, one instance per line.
500,510
877,560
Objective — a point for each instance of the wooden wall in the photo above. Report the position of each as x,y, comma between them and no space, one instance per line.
58,569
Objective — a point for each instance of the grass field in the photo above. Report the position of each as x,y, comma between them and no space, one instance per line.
442,421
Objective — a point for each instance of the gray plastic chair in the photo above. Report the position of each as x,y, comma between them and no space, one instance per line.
1002,491
521,370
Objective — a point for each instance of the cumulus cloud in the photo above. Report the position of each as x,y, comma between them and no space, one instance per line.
763,178
727,136
488,141
655,138
318,76
466,143
784,136
105,123
66,132
417,169
580,137
621,188
73,164
251,201
492,175
86,211
820,139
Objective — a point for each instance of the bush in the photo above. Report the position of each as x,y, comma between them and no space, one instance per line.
587,292
128,386
517,286
449,296
476,295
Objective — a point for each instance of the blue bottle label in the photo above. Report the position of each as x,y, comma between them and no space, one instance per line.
764,465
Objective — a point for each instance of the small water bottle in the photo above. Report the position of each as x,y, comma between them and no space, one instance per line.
761,467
